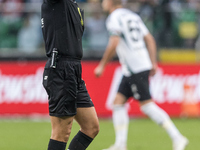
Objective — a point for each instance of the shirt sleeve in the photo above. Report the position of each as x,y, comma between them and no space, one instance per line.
113,26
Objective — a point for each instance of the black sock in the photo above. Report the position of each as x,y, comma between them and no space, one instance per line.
56,145
80,142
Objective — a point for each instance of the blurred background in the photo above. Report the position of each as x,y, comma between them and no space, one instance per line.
175,24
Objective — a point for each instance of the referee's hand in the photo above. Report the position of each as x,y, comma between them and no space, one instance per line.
98,71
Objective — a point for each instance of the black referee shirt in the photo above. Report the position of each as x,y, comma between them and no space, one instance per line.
62,27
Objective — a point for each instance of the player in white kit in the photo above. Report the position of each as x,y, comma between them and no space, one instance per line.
136,49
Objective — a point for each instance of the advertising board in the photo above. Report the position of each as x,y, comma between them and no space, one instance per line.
175,88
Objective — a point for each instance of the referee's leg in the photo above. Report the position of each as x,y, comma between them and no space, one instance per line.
61,129
89,128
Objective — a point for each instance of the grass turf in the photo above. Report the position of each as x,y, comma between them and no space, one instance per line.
143,135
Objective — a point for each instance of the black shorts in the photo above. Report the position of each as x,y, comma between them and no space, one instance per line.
65,88
136,86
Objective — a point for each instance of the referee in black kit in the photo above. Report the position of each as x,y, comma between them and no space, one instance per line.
62,27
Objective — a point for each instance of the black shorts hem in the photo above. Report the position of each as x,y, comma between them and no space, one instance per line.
145,99
140,100
127,97
85,105
62,115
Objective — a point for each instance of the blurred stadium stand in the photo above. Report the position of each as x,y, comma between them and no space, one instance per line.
175,24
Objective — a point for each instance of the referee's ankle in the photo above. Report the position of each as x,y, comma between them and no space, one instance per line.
56,145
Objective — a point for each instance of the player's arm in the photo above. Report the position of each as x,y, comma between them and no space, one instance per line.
151,46
108,55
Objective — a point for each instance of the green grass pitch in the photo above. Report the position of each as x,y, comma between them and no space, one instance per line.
143,135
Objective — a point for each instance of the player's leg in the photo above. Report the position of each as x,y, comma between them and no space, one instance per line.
61,129
89,128
120,116
159,116
154,112
120,121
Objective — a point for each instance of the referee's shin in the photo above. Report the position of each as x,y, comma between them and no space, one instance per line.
80,142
